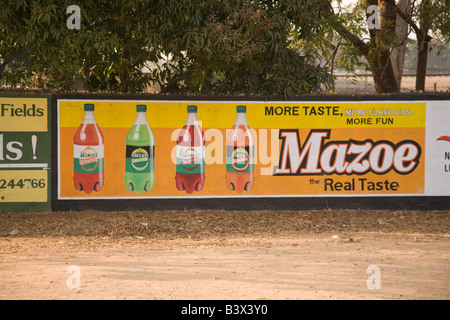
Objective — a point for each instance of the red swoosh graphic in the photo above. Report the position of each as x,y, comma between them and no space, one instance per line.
445,138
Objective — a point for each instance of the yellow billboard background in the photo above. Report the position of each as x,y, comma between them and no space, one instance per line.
14,117
115,119
34,184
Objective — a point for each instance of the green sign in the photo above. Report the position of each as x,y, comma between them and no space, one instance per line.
25,153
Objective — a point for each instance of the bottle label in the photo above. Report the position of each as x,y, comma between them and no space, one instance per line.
88,159
240,159
139,159
191,160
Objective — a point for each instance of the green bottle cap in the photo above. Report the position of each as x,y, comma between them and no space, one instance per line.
89,107
241,109
141,108
191,109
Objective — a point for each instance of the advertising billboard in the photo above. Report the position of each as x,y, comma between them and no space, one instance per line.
165,149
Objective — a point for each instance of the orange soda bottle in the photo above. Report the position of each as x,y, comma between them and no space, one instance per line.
88,154
240,154
190,166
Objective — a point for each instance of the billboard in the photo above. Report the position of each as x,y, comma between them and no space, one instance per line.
25,152
166,149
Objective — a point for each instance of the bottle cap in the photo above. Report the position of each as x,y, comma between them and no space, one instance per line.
191,109
241,109
89,107
141,108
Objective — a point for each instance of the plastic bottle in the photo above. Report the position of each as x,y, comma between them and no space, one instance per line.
190,167
240,154
140,154
88,154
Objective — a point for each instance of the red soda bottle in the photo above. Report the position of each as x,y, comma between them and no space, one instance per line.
88,154
190,169
240,154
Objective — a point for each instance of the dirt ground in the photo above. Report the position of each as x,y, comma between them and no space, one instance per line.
222,255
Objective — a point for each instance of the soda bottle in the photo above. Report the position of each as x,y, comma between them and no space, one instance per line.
140,154
88,154
190,168
240,154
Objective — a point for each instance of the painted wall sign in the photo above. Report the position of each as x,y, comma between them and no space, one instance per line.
114,149
437,152
24,152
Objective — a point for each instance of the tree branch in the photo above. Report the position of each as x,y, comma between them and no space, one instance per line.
4,63
362,47
408,19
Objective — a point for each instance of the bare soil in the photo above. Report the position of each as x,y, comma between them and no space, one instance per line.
221,255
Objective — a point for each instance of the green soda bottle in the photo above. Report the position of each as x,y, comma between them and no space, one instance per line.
140,154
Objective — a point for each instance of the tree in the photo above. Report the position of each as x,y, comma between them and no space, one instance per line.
39,50
238,47
224,47
432,22
33,52
117,39
428,18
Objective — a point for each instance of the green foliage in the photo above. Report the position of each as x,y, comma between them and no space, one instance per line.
34,50
116,41
434,15
238,47
194,47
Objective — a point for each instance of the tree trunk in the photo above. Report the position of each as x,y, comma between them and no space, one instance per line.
383,73
422,57
124,82
423,40
378,50
379,57
401,31
124,73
